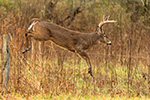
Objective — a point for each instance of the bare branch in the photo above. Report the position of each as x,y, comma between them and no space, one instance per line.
71,15
142,2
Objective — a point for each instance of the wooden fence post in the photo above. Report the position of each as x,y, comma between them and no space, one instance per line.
149,79
5,63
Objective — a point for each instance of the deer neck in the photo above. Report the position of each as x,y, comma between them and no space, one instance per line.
96,38
92,38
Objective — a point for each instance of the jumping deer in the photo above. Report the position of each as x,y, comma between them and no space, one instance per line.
73,41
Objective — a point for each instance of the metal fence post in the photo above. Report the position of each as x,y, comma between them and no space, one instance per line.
7,64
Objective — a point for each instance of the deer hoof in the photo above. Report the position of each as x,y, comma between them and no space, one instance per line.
90,72
27,49
23,51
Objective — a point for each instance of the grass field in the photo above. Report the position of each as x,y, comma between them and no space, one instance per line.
73,83
70,97
121,71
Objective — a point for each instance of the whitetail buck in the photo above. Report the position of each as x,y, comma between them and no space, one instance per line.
74,41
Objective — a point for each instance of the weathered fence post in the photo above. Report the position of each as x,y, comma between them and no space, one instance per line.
149,79
5,63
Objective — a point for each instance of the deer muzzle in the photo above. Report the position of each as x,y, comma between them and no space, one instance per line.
109,43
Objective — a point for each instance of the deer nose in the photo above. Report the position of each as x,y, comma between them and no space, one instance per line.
26,34
109,43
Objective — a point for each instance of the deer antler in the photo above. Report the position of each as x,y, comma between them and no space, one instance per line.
105,20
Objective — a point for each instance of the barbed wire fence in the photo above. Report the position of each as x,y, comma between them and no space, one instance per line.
30,76
74,77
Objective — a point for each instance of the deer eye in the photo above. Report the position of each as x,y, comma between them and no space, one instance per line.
104,35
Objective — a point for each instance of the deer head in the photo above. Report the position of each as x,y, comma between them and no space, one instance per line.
103,36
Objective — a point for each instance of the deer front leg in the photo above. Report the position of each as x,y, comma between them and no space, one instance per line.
86,58
27,43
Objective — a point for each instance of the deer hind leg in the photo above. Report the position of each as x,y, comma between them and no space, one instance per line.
28,39
86,58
